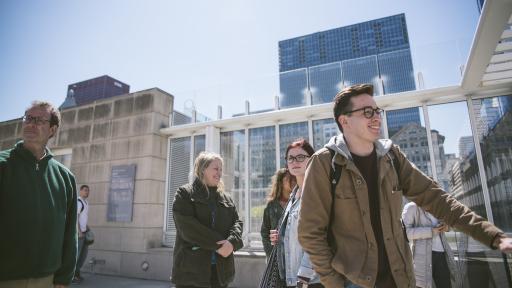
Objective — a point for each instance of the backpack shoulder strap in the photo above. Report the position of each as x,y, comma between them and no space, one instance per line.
394,157
334,174
334,177
83,205
394,162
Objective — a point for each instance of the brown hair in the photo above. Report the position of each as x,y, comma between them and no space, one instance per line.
300,143
276,191
342,102
54,112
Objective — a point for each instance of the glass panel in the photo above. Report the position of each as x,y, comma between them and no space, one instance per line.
323,130
494,122
458,172
199,145
361,70
262,163
293,86
396,71
179,171
325,82
289,133
406,129
232,150
179,118
452,142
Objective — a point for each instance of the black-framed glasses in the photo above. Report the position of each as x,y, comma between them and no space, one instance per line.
27,119
299,158
368,111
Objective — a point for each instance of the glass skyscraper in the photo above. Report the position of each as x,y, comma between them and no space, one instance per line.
314,67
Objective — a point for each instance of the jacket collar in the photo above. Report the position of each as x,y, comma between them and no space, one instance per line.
199,190
338,144
201,194
27,155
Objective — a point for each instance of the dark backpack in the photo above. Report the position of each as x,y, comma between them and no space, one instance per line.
334,177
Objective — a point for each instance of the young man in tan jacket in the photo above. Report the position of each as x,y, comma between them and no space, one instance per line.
368,247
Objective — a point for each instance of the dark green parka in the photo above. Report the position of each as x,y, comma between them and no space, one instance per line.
196,239
38,202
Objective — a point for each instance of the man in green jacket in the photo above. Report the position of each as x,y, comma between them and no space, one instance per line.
38,203
368,247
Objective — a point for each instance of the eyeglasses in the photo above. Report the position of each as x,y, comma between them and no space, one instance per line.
299,158
27,119
368,111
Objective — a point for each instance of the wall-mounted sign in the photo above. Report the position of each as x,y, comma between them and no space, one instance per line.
120,195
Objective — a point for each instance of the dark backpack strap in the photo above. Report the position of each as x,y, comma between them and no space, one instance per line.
335,175
396,164
83,205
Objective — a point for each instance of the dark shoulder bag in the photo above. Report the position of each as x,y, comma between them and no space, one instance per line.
271,278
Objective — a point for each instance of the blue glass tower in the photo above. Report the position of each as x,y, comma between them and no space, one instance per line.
319,65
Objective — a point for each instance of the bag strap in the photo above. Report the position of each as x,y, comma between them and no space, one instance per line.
83,205
395,163
334,178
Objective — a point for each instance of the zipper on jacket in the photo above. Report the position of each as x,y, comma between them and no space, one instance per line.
37,166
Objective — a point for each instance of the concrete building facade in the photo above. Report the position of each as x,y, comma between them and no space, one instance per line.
94,138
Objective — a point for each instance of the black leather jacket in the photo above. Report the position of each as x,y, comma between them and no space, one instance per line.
271,216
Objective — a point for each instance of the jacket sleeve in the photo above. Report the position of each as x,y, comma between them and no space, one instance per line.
427,194
306,268
66,271
189,227
235,233
409,217
314,219
265,231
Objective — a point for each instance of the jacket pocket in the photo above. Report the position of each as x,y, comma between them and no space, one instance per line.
345,192
190,260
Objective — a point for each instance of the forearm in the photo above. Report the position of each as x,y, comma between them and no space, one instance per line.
235,235
427,194
191,230
265,234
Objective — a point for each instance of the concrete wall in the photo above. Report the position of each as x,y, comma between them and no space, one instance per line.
118,131
10,132
249,266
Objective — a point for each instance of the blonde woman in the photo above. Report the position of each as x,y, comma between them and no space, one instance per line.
282,184
208,229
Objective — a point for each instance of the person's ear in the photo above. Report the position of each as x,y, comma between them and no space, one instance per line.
53,130
342,119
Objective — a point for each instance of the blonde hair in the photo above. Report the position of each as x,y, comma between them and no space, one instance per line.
203,160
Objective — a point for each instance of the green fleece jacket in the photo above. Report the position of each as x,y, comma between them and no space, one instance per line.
38,202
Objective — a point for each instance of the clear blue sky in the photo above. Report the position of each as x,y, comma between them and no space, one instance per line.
212,52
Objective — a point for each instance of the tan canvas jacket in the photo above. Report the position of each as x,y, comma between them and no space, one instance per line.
356,255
